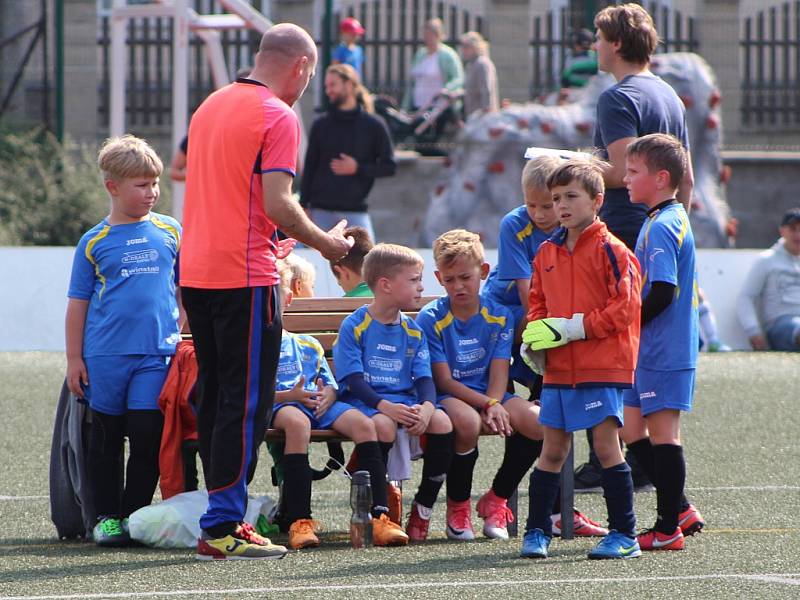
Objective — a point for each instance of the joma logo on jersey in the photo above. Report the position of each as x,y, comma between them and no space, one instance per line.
467,342
387,347
141,240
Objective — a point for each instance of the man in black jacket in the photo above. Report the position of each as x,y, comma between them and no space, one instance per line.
347,149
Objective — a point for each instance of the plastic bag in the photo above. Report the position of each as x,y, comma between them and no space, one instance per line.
175,523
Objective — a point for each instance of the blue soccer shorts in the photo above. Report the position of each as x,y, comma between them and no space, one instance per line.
326,421
573,409
661,390
118,384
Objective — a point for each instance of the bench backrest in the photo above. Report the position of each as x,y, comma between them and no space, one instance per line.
322,317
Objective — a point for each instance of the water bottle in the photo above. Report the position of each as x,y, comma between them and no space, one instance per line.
361,503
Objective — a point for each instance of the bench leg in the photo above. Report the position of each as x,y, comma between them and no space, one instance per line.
568,493
513,505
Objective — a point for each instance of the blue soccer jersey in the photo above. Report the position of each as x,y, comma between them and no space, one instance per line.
302,355
665,250
517,244
468,347
391,357
128,274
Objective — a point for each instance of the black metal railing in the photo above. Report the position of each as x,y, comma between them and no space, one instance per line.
394,33
550,45
771,67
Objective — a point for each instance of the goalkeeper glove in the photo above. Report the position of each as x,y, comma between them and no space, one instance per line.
533,358
553,332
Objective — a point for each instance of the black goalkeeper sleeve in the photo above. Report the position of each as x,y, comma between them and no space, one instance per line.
657,301
426,390
362,390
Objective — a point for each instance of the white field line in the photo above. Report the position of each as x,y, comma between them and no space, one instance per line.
777,578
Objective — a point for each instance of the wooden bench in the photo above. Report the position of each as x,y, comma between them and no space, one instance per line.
321,318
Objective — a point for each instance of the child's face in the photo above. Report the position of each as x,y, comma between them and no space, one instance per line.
405,287
349,38
575,207
461,279
134,197
539,204
303,288
791,238
643,185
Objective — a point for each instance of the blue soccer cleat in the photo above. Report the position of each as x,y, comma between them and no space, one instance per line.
535,544
616,545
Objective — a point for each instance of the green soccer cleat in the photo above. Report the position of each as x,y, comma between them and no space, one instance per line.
110,533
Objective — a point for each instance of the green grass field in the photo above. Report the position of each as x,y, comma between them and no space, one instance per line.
743,473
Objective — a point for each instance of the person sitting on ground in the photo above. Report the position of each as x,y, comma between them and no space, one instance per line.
348,270
772,290
306,399
383,368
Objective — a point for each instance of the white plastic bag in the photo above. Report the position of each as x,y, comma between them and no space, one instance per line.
175,523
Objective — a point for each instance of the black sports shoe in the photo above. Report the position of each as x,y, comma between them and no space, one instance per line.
588,479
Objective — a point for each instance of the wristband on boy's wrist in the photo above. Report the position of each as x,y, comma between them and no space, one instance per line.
490,403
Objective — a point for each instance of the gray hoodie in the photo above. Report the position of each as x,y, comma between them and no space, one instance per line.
771,290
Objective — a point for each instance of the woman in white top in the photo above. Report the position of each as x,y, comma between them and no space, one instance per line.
436,68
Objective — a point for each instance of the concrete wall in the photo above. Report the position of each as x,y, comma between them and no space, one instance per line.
763,186
32,313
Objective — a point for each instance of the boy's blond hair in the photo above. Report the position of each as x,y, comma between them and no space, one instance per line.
455,244
587,172
385,260
536,172
661,152
127,157
285,274
300,268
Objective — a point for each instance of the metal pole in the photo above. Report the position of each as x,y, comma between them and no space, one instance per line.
568,493
180,90
327,20
117,72
59,27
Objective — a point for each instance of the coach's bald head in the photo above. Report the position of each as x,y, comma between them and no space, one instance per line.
286,60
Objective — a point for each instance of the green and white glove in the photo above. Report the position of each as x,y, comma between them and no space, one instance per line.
553,332
533,358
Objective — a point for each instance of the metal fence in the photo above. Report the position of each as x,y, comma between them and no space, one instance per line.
550,44
394,32
771,67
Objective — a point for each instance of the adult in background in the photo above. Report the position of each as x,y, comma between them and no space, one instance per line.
480,75
638,104
772,290
348,148
240,167
435,69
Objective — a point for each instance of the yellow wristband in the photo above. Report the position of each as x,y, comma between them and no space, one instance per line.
490,403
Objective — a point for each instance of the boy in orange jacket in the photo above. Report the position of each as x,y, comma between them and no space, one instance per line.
584,313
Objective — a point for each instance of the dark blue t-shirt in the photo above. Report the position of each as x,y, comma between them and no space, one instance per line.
636,106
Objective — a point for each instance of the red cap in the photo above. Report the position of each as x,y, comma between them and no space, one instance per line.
351,25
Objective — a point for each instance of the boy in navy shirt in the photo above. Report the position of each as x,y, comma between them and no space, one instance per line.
383,368
121,331
665,374
305,399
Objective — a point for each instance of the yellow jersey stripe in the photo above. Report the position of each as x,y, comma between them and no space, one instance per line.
89,247
362,327
167,227
521,235
683,231
411,332
441,324
491,319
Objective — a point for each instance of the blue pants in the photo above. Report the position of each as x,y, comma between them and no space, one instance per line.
327,219
783,333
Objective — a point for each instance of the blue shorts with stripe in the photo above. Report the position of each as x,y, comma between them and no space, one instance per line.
118,384
661,390
371,412
326,421
573,409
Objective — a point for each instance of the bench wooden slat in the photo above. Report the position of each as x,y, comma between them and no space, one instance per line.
342,305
